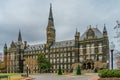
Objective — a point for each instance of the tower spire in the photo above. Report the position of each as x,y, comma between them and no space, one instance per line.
19,36
50,28
50,13
50,19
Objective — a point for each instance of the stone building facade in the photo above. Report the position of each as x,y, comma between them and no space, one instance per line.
84,49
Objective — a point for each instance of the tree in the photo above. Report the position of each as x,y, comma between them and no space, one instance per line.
78,70
43,63
2,66
59,71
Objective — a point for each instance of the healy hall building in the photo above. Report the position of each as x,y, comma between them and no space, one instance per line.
85,49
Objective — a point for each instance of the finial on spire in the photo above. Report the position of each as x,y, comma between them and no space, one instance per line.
50,13
104,28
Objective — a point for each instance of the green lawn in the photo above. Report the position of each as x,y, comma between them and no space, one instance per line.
8,74
12,76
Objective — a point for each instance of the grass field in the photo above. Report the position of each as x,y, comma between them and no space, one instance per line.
8,74
12,76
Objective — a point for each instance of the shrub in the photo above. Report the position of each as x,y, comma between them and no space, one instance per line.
109,73
78,70
59,71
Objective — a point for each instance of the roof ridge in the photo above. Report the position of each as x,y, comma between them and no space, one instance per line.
36,45
65,41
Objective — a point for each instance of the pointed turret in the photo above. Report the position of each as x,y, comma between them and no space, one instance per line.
5,57
105,45
5,46
104,31
5,49
77,36
19,36
50,28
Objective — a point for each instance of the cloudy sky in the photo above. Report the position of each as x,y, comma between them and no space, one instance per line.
31,17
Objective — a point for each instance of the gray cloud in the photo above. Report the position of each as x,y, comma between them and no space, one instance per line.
31,16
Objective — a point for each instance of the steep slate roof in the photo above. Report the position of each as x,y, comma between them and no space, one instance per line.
35,47
56,45
63,44
97,32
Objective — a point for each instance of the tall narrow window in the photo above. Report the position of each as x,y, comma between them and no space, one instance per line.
100,48
88,49
81,50
92,49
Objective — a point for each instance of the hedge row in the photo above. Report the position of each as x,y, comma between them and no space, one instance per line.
109,73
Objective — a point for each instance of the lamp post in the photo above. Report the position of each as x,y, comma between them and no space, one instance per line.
27,71
112,46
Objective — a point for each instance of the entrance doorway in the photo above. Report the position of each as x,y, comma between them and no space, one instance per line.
88,65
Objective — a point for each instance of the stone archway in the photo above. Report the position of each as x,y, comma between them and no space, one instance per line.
84,65
88,64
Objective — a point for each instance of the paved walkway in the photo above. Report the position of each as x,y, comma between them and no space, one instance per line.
64,77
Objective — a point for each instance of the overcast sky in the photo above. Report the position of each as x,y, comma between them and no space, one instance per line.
31,17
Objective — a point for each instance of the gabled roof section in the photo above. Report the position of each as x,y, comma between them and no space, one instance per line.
97,32
63,44
19,43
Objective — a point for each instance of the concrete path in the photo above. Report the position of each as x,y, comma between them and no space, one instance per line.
64,77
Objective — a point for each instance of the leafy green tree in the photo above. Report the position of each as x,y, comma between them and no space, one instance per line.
43,64
59,71
78,70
